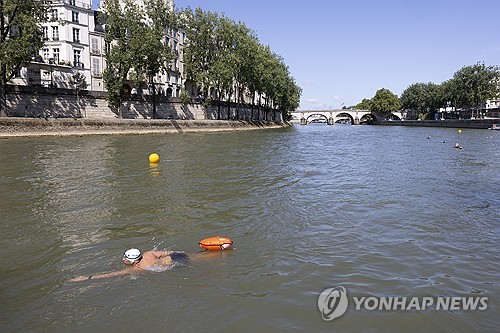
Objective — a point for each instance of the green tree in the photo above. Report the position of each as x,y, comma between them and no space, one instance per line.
365,104
124,31
199,53
280,88
156,53
79,82
247,43
472,85
385,101
424,97
224,67
254,77
449,95
20,38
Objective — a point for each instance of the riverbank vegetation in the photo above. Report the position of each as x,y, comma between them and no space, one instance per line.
225,60
469,88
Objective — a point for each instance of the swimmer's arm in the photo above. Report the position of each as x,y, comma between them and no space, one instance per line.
105,275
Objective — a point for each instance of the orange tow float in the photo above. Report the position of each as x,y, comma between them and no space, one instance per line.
216,243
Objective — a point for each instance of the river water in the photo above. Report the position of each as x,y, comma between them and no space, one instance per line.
382,211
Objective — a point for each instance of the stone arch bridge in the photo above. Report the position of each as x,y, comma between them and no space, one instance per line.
330,117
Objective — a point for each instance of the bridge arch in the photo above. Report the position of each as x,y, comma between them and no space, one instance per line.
368,118
316,115
344,115
349,116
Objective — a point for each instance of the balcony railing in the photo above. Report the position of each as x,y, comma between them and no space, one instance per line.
78,64
74,3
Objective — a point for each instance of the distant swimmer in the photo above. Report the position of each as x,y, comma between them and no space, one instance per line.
458,146
443,141
149,260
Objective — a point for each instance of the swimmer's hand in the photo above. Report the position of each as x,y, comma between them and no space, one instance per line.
81,278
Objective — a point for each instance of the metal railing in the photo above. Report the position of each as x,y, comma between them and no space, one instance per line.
74,3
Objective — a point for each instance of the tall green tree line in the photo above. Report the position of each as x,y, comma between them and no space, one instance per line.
224,58
469,88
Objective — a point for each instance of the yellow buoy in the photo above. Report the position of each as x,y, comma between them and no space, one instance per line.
460,131
154,158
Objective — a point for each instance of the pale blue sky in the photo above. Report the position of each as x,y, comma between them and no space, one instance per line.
341,51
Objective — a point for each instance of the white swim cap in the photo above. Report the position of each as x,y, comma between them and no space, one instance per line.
132,255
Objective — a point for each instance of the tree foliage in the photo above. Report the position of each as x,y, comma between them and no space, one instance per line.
365,104
424,97
473,85
385,101
226,57
20,37
470,87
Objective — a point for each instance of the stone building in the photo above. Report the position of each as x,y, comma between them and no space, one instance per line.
74,43
66,48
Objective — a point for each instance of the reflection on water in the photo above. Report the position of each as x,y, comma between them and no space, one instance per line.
382,211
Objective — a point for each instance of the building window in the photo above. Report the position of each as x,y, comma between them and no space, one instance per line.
107,45
95,46
45,55
72,2
74,17
77,58
96,67
53,14
45,33
76,35
55,55
55,33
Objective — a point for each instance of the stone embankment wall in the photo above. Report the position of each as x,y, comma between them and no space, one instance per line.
450,123
65,103
15,126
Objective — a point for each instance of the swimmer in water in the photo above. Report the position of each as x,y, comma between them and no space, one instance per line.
140,262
